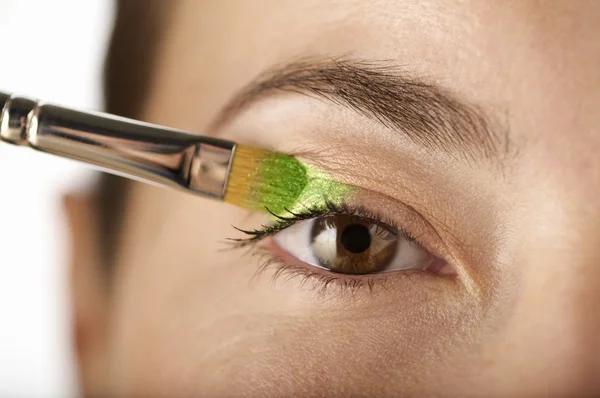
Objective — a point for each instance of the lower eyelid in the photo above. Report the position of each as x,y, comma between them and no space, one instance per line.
284,266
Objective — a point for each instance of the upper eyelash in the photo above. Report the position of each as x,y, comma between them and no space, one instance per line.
330,209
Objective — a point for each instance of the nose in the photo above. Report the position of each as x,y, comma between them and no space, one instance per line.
549,344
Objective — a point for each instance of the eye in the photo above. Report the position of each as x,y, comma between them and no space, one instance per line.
355,245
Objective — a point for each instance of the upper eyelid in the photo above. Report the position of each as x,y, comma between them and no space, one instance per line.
332,209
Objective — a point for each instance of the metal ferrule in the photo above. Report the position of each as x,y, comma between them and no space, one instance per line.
129,148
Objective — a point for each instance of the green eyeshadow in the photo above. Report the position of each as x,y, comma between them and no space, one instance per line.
290,185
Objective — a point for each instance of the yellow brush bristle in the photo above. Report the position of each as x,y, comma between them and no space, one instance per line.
244,175
261,180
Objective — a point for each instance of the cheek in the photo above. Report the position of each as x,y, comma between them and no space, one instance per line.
182,304
190,319
163,290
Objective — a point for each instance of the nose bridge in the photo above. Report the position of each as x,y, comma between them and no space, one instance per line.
553,332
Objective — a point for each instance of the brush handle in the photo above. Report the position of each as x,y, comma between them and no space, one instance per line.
126,147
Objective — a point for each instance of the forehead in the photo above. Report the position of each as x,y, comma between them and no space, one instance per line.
507,56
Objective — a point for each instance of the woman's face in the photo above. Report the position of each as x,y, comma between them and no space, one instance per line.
471,126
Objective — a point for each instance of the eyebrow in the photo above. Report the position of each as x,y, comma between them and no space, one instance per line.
427,114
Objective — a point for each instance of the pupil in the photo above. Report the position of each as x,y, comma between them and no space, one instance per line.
356,238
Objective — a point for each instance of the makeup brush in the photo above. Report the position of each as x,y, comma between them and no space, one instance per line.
248,177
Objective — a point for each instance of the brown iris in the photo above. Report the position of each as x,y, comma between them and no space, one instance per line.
353,245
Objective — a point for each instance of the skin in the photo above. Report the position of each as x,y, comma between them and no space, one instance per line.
180,317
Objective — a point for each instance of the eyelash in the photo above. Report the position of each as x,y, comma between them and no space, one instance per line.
322,278
331,209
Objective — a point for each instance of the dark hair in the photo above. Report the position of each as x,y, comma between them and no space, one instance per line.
128,70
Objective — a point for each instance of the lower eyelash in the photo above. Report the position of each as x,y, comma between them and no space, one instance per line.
321,279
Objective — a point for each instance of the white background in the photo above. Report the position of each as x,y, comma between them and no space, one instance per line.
53,50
